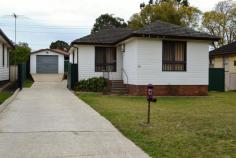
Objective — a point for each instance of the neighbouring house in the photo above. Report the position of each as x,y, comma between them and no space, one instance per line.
5,46
47,61
225,57
172,58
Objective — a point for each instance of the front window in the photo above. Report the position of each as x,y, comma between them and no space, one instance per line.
174,56
105,59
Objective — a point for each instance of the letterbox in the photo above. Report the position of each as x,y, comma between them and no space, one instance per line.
150,97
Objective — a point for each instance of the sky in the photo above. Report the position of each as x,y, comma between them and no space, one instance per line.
41,22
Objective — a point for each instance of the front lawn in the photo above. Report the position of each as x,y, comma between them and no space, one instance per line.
180,126
4,96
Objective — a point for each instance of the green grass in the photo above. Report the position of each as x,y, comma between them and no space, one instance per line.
182,127
28,84
4,96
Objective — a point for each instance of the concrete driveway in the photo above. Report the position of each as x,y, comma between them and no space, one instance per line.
48,121
47,77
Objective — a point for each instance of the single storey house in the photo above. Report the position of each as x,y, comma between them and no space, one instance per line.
5,46
47,61
172,58
225,57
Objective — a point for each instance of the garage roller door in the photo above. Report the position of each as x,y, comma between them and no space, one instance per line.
47,64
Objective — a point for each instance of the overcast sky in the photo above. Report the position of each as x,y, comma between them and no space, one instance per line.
44,21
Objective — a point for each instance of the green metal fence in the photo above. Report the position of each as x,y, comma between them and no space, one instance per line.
22,74
72,77
216,79
66,63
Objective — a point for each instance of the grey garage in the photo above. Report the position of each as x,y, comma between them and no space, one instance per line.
47,61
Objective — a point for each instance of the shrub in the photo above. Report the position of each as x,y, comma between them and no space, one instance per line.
95,84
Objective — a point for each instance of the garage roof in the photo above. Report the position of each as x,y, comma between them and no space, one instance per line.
52,50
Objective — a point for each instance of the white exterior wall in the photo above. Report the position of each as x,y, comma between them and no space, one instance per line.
86,65
4,69
33,61
130,62
142,62
149,64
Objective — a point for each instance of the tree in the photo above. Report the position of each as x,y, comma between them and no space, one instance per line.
221,22
20,54
62,45
176,12
107,20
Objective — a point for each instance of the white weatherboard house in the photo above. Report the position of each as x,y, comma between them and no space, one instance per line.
47,61
5,46
172,58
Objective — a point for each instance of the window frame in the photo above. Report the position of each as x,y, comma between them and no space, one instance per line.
105,64
174,62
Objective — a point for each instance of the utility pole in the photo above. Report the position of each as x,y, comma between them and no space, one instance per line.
15,17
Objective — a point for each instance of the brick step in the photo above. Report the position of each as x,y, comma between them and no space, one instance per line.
118,92
117,81
122,88
118,86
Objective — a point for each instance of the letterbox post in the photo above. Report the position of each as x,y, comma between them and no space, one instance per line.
149,109
149,99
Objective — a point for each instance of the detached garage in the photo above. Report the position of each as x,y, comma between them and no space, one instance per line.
47,61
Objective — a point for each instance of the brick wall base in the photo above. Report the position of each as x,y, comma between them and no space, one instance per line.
169,90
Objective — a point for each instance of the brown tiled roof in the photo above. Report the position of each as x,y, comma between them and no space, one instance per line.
164,29
6,38
107,36
111,36
227,49
53,50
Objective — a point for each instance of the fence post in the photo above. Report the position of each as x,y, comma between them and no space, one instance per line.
20,82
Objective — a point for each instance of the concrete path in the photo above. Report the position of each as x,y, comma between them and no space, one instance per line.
48,121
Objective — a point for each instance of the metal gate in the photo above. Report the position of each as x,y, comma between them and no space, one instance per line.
22,74
47,64
72,77
216,79
66,62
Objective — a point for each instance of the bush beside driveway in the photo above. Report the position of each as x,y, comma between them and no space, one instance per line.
180,126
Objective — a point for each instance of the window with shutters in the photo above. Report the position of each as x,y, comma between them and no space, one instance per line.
174,56
105,59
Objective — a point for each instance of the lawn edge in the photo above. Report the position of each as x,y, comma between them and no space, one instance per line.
8,101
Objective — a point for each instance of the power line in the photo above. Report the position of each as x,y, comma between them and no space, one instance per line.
49,27
41,32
